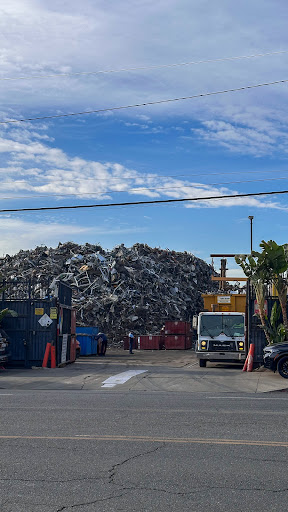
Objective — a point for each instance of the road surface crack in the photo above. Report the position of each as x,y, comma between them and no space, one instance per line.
79,479
204,489
112,471
93,502
84,381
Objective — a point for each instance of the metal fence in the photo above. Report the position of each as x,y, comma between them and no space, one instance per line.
21,289
42,320
256,333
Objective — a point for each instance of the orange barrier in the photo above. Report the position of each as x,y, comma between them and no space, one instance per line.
246,361
46,355
251,358
53,356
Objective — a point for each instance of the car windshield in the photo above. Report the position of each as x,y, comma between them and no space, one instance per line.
213,325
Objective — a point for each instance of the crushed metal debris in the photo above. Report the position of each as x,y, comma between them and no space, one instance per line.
124,289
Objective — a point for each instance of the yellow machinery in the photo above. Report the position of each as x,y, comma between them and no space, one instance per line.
224,302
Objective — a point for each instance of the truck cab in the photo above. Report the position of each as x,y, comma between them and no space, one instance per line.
220,337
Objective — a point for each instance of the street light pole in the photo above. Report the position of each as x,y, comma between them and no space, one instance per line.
248,292
251,232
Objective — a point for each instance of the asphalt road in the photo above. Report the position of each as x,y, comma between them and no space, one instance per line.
124,448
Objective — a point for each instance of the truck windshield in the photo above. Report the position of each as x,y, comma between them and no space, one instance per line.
231,325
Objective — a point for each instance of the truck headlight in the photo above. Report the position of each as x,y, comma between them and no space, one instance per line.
203,345
241,345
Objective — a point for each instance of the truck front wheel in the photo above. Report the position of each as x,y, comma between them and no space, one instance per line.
202,363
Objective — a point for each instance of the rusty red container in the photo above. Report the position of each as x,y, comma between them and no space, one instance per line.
126,343
151,342
188,342
175,342
177,327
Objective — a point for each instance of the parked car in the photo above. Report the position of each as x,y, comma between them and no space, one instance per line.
78,349
276,358
3,347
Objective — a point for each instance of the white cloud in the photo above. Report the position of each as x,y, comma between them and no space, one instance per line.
53,37
246,134
235,272
17,234
35,169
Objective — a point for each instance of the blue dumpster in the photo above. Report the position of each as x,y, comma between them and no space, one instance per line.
85,336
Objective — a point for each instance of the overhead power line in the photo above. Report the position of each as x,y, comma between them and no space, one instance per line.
145,104
143,68
139,203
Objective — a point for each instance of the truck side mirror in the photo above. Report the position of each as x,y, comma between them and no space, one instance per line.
195,322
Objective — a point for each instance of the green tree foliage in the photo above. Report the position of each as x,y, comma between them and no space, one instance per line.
5,312
274,327
264,268
273,263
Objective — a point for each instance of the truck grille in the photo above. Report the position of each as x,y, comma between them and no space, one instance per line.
221,346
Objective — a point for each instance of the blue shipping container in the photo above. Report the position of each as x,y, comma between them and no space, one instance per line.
85,336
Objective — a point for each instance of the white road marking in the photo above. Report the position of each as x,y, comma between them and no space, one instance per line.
120,378
246,397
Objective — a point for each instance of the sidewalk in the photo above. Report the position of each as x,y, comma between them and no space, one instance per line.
166,371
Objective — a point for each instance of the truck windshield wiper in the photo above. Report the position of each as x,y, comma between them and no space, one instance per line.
204,328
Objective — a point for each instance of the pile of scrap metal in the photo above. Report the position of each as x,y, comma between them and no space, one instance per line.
124,289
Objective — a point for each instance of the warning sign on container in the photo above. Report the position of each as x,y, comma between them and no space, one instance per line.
224,299
45,321
39,311
53,313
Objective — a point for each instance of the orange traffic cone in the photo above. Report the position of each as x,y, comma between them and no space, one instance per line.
251,358
46,355
246,361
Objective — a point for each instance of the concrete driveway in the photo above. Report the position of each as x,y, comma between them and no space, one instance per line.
145,371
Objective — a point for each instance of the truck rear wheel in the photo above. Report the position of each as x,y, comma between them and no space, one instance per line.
202,363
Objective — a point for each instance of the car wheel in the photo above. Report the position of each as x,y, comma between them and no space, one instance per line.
282,367
202,363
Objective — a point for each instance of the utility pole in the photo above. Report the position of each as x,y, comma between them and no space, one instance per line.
222,284
248,290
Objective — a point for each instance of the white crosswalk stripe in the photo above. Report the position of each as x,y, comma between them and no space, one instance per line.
120,378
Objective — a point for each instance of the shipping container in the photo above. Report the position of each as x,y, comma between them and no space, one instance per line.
126,343
175,342
177,327
39,321
188,342
86,338
220,302
151,342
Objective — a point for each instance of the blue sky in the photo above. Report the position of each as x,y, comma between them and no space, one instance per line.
218,145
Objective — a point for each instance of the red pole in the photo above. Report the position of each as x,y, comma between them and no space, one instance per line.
46,355
53,356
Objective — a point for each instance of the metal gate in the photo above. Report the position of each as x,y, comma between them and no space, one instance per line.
39,321
256,333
